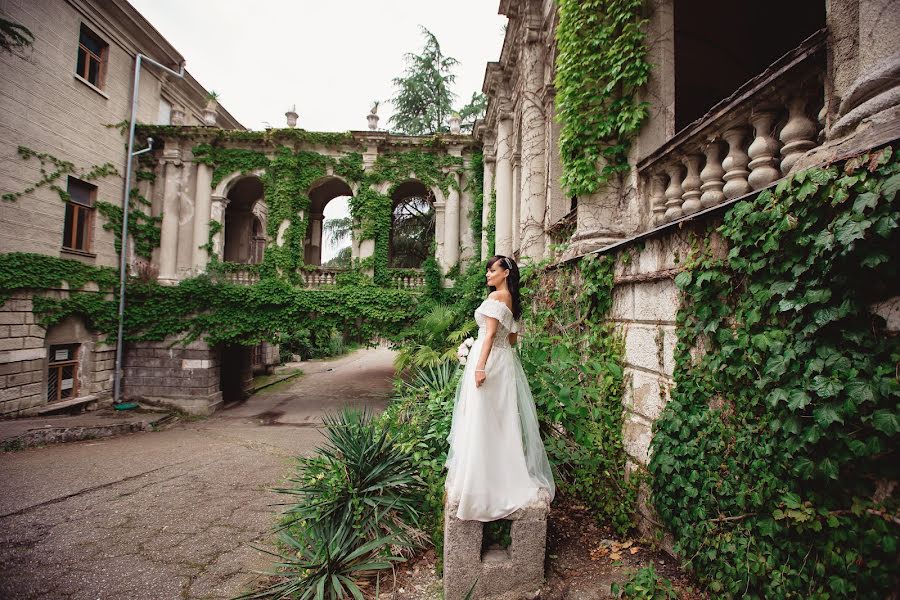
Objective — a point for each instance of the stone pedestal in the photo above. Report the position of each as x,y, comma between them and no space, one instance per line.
512,574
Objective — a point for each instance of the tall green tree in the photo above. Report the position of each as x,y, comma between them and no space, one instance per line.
472,111
423,99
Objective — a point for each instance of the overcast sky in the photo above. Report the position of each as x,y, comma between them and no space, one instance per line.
331,58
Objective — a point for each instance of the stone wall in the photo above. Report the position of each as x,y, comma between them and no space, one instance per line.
24,360
168,373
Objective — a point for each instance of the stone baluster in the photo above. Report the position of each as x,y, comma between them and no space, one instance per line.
690,199
673,192
763,151
711,177
797,135
658,199
735,165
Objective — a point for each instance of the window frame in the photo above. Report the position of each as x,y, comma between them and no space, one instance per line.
77,208
101,60
59,366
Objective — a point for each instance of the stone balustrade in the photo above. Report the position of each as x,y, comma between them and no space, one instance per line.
407,279
744,143
320,277
236,275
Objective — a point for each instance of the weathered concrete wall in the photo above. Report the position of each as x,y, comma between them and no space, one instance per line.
186,377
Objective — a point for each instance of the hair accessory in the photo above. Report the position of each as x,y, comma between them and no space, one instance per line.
507,263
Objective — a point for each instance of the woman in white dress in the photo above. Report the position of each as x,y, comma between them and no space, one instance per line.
497,462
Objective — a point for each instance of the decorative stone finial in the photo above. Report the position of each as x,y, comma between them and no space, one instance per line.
291,116
454,123
372,117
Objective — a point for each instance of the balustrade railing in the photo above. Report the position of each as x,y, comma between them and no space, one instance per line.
407,279
240,276
320,277
744,143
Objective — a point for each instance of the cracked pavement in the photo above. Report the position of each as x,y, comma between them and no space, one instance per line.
174,513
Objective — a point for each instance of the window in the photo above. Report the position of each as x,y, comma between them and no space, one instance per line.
62,372
79,215
165,112
92,53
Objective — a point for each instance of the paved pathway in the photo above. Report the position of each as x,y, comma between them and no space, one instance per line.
169,514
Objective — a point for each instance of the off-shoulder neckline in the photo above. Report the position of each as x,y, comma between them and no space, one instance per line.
500,302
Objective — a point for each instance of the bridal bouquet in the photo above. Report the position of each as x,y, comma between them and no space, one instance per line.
463,351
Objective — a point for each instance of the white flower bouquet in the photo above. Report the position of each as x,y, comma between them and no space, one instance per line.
462,352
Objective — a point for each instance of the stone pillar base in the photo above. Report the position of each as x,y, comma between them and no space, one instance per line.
512,574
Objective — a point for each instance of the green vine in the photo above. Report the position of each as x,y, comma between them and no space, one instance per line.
476,188
144,230
573,358
56,169
492,224
600,66
774,462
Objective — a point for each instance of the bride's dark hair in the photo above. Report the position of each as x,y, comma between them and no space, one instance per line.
512,281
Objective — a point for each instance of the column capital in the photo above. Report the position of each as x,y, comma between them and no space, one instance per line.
223,200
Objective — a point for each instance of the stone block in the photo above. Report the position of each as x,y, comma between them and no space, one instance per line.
18,356
645,394
510,574
656,301
23,378
10,393
31,388
12,318
623,303
33,342
11,343
644,346
637,435
8,407
4,331
7,368
37,331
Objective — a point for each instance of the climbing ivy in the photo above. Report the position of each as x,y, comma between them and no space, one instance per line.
52,169
573,359
476,189
600,66
774,463
492,224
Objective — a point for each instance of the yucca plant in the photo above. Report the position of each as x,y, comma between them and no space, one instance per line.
359,478
433,379
323,561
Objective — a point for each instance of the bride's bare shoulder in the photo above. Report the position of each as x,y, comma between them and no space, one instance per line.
501,296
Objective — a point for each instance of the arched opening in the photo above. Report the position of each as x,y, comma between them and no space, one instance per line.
245,231
329,232
412,225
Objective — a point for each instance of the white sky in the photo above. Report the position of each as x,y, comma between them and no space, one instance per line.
331,58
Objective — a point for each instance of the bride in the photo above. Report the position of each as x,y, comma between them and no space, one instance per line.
497,462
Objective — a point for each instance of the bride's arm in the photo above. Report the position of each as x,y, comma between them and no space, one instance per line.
486,345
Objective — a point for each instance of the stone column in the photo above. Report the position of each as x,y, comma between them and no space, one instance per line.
877,86
168,246
315,236
533,191
440,238
217,213
489,165
503,186
202,207
451,225
516,202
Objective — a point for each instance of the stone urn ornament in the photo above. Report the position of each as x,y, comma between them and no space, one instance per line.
372,117
454,124
291,117
210,111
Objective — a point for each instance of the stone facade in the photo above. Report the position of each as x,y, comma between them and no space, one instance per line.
27,364
48,107
169,373
824,86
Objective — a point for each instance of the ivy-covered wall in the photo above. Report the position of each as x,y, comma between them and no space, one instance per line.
760,385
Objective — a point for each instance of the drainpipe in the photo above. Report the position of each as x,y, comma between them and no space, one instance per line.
123,253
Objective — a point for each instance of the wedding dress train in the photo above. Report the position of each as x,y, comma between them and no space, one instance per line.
497,462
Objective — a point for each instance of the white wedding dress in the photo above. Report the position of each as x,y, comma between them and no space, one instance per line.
497,462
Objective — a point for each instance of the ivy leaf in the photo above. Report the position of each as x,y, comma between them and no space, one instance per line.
850,231
828,467
798,400
683,279
826,415
890,186
860,391
886,421
777,395
826,387
804,467
864,201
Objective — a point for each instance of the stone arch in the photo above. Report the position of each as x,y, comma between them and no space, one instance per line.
229,181
413,222
245,218
321,192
